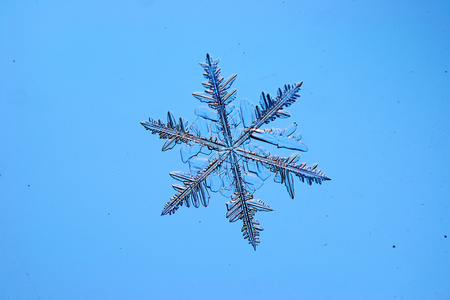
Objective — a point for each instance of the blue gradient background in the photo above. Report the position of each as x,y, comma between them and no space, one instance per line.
82,184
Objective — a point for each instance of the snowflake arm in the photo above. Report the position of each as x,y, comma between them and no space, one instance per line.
242,206
216,94
270,109
194,189
177,133
285,167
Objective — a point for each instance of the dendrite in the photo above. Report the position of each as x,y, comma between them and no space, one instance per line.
221,154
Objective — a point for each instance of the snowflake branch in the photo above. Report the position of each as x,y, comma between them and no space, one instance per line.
285,167
193,189
244,207
271,109
216,94
177,133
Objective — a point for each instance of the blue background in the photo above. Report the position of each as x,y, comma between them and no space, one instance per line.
83,184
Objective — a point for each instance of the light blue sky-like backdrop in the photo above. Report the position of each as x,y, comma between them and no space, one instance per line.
83,184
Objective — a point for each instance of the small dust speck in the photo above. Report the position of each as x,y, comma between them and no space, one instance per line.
445,236
28,185
393,246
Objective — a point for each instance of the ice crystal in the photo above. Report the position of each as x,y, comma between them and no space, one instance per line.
219,148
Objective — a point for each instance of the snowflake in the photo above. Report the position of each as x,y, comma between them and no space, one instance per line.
221,156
